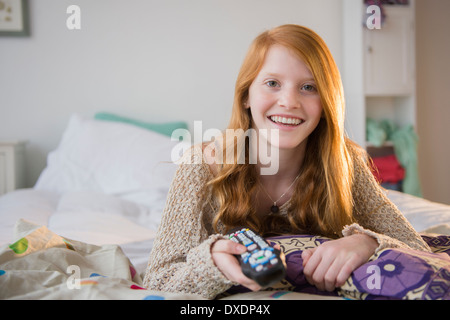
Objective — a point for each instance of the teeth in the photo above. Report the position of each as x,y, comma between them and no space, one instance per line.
292,121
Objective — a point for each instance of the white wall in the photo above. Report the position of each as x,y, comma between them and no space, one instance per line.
352,70
149,59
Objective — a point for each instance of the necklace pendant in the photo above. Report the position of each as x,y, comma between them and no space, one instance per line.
274,208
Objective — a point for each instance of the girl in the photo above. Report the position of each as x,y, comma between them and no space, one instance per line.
288,82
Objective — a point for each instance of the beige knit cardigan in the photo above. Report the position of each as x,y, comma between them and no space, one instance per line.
180,260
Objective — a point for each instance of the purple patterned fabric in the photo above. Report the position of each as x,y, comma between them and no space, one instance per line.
391,274
399,273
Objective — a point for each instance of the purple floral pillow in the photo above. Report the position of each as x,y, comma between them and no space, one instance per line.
390,274
404,274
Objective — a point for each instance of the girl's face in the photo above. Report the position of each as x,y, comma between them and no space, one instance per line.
284,96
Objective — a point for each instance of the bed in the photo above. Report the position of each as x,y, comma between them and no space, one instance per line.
85,230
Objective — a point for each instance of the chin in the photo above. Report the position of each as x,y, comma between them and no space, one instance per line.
288,145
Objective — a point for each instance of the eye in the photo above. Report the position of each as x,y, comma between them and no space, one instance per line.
309,88
272,83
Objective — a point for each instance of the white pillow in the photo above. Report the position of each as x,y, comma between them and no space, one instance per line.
110,157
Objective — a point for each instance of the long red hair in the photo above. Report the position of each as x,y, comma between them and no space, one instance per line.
322,201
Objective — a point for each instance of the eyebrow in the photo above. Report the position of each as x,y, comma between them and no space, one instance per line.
278,75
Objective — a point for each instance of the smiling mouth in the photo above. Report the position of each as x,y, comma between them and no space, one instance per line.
286,120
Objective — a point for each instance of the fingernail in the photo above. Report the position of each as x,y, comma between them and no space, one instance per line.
241,248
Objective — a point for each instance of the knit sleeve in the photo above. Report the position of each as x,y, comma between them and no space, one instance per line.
377,216
180,260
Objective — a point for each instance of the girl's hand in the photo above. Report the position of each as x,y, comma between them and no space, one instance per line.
329,265
222,252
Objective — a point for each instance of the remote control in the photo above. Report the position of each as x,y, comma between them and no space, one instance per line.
261,262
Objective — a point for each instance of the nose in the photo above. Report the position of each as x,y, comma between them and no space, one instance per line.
289,98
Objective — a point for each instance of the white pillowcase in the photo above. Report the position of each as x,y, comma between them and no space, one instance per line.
113,158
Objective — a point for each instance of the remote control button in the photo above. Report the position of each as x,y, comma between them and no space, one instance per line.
251,233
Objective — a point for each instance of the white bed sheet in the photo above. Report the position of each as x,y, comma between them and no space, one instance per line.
84,216
28,204
425,216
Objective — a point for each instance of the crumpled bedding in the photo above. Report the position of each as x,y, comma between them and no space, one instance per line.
44,265
41,265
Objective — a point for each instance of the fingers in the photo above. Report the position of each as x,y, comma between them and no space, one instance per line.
324,270
228,246
314,268
223,252
306,255
329,281
328,269
246,282
282,255
345,271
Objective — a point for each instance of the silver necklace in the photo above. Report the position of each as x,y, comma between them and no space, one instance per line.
275,208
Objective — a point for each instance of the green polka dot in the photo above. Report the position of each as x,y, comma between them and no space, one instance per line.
20,246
